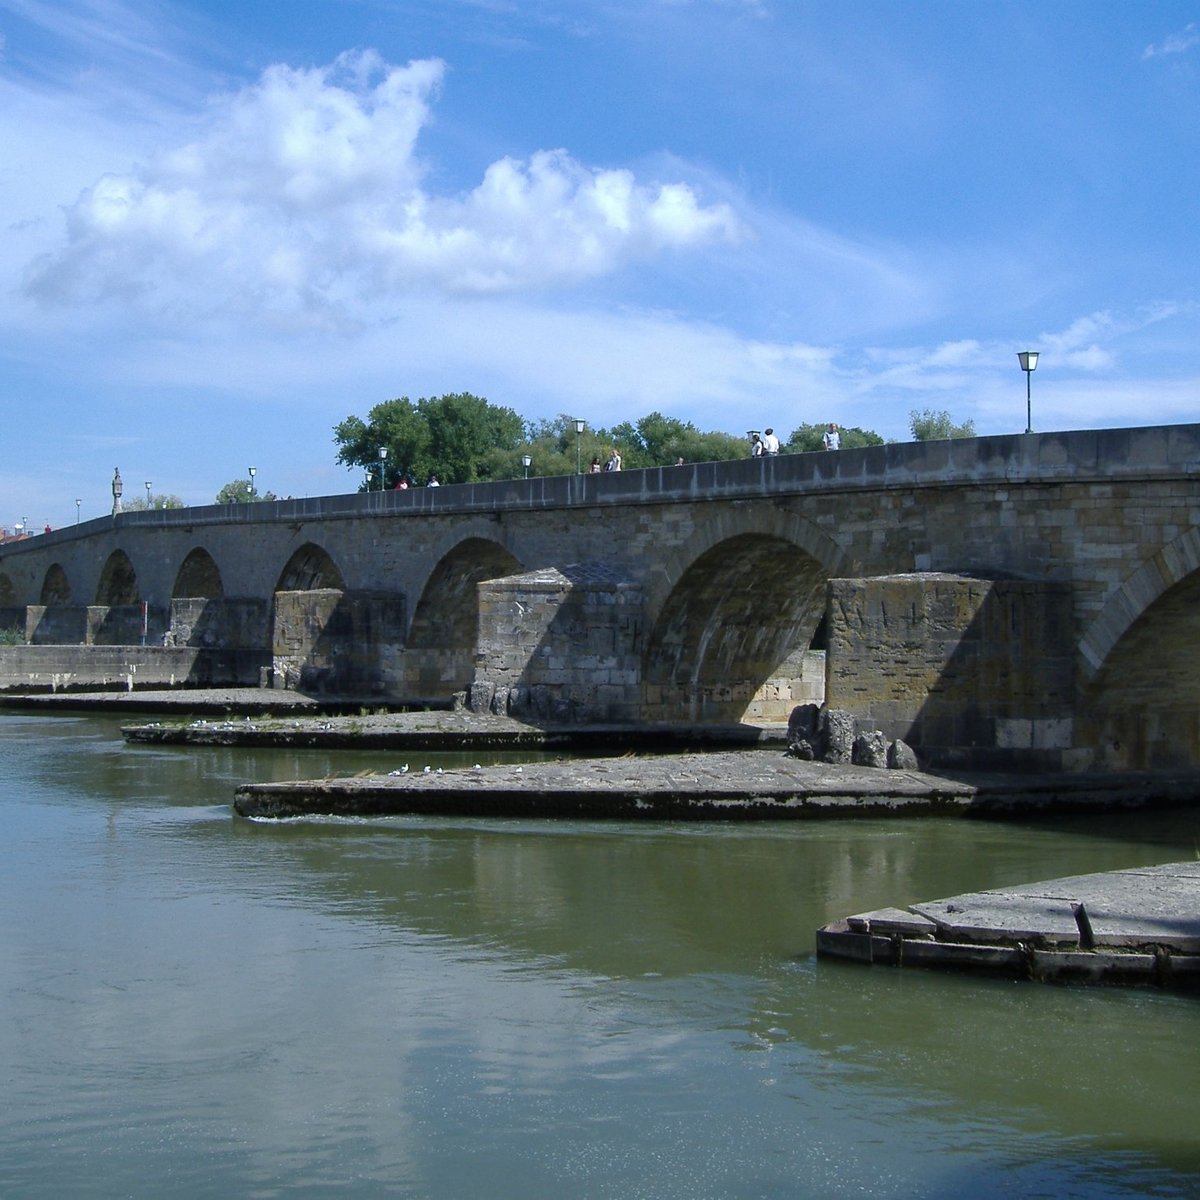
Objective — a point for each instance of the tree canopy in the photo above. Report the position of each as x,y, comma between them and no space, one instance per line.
459,437
930,426
157,500
807,438
462,438
242,491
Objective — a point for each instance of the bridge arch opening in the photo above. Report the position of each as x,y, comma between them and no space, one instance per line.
1141,709
740,619
310,569
56,588
443,636
198,576
118,581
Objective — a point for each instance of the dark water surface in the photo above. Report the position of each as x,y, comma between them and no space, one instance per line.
195,1005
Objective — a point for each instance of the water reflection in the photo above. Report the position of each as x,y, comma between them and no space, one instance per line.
508,1008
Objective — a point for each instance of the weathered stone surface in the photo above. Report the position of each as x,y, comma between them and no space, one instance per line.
1142,927
837,736
996,602
804,723
900,757
869,750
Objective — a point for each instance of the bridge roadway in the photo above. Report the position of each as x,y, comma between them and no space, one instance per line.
1021,602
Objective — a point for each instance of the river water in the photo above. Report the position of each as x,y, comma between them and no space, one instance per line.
195,1005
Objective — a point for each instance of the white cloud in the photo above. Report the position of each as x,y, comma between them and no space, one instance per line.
305,197
1177,43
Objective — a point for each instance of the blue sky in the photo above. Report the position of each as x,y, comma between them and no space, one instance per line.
227,226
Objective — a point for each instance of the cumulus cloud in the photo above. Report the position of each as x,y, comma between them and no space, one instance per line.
305,195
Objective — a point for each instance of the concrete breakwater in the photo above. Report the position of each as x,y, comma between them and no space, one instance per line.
762,784
1135,926
671,772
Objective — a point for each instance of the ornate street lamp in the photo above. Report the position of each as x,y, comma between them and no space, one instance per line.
579,426
526,459
1028,360
78,502
149,503
253,471
382,465
117,488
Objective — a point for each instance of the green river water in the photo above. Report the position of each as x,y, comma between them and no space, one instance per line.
195,1005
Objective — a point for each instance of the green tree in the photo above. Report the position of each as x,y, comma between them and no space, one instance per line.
157,500
930,426
455,436
807,438
657,441
242,491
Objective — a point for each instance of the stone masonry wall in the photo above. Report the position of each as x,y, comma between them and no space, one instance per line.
561,645
328,640
970,672
126,668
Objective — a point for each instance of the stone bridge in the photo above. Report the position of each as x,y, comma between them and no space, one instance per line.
1020,602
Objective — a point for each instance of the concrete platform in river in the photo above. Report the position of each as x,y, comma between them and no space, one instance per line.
1135,926
752,784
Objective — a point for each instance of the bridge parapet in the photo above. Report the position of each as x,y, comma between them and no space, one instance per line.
1112,455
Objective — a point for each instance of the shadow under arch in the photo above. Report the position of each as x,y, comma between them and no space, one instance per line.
1172,564
1141,708
759,520
8,593
445,626
739,612
56,587
198,575
310,569
118,581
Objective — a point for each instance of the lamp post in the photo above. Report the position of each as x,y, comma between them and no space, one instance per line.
117,488
1028,360
526,459
579,424
382,464
78,502
253,471
149,503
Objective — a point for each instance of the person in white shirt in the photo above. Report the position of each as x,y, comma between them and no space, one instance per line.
832,438
770,443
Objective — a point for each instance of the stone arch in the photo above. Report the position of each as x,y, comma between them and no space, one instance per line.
1159,574
56,587
118,581
310,569
198,575
743,608
447,614
444,633
1141,708
8,593
730,524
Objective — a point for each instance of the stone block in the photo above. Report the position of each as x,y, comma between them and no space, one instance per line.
869,750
